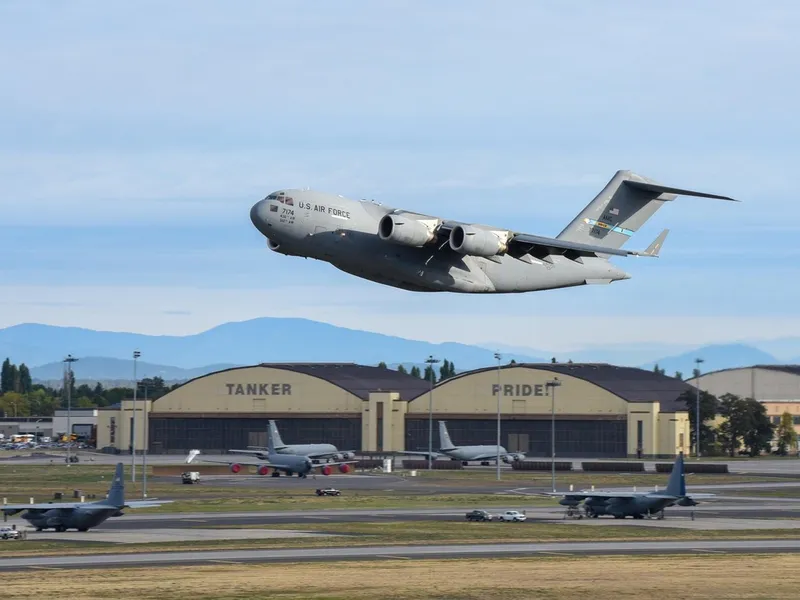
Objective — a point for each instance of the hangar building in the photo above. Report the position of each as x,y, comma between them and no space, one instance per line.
775,386
600,410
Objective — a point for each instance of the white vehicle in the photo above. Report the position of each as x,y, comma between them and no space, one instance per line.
190,477
512,515
7,533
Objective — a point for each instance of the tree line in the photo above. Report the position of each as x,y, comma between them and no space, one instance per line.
20,397
446,371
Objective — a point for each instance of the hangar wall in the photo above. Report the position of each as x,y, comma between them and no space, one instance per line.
371,409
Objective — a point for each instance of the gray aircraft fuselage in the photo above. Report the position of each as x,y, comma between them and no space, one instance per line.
80,518
472,453
627,507
345,233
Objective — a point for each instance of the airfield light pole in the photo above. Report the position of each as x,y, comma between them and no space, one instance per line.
68,388
553,384
144,445
136,355
430,361
698,361
498,357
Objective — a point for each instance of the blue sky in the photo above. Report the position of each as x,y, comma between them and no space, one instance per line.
135,137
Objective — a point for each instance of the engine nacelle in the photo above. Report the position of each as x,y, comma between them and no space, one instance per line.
408,229
349,455
235,468
344,468
326,470
569,502
263,470
475,240
274,246
686,501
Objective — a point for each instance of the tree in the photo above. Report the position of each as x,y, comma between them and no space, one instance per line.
382,365
553,360
787,436
447,370
746,424
512,362
25,381
709,408
401,369
678,375
42,403
415,372
6,378
430,374
658,370
14,404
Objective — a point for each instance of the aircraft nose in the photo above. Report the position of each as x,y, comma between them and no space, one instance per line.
259,215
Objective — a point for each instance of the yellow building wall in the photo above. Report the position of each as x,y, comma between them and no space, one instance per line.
114,425
259,390
776,409
522,392
392,410
673,434
647,413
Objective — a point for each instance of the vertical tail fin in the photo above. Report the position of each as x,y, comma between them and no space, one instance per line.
676,485
276,437
444,437
271,439
626,202
116,493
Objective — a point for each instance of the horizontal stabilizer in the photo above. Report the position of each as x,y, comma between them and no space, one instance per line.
663,189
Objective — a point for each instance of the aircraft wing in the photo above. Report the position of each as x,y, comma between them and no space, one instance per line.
260,463
590,494
146,503
541,247
420,453
334,464
15,508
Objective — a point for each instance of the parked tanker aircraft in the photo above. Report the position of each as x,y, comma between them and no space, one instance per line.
634,504
313,451
287,463
465,454
81,515
425,253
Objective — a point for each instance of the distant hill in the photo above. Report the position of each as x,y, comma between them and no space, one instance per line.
715,357
241,343
106,356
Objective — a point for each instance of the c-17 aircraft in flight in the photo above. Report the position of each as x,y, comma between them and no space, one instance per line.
286,463
467,453
80,515
425,253
634,504
313,451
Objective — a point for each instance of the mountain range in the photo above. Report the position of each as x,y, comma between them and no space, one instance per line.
107,355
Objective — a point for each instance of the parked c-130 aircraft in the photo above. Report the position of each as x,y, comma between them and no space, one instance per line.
418,252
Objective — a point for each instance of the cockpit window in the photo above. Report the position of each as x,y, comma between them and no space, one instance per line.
272,197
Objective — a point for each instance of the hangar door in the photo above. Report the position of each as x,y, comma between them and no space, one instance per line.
574,438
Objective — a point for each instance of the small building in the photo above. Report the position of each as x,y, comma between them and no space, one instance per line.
82,421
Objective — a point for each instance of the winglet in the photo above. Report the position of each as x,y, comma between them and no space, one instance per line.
654,248
192,455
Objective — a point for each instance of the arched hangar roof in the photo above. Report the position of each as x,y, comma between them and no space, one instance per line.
629,383
359,380
790,369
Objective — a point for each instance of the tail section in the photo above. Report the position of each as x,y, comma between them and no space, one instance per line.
116,493
276,437
444,437
271,438
620,209
676,485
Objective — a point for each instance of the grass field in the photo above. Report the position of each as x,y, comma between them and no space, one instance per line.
405,533
733,577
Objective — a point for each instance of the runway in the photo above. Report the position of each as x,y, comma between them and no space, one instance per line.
396,552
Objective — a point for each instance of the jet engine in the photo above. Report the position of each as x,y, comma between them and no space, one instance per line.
408,229
686,501
274,246
344,468
326,470
515,457
348,455
263,470
475,240
235,468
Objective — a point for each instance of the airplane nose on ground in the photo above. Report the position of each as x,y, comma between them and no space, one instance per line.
258,215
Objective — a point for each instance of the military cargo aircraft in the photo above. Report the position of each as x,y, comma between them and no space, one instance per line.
634,504
425,253
467,453
313,451
80,515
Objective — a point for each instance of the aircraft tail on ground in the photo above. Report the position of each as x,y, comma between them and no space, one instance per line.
116,494
621,208
271,439
676,485
276,437
444,437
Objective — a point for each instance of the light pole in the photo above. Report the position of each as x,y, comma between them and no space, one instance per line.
144,445
498,357
136,355
553,384
68,388
698,361
430,361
